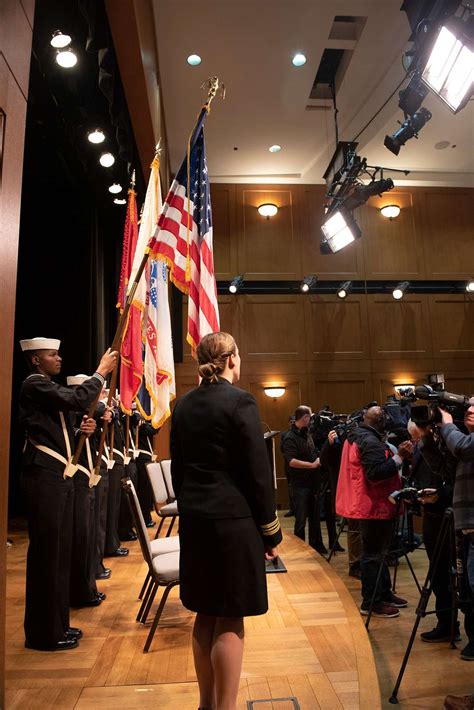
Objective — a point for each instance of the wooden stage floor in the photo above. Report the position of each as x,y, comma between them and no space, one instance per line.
311,644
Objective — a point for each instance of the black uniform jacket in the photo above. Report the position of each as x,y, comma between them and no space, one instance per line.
41,400
219,463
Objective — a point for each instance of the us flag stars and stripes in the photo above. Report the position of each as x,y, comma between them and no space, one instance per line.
184,238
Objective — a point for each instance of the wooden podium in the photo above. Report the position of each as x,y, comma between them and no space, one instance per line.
275,565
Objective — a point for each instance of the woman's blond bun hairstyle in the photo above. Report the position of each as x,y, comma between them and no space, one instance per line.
212,353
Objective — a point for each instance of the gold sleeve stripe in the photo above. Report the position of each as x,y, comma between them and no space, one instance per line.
270,525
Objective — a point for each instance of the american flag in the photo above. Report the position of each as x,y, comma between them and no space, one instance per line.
183,238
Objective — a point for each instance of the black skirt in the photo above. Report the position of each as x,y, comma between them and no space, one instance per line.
222,566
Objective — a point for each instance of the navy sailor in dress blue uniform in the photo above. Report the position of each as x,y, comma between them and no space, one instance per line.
45,409
228,525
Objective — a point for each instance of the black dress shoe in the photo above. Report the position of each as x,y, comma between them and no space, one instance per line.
64,645
73,633
102,596
150,524
119,552
95,601
105,574
129,537
337,547
320,547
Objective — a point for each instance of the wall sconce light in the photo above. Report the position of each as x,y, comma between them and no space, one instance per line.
404,390
274,392
344,289
390,211
267,210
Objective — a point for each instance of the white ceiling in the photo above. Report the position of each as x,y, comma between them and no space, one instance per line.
249,44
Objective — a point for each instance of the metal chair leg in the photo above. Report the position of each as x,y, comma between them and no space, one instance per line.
150,601
158,530
171,526
145,599
164,597
142,591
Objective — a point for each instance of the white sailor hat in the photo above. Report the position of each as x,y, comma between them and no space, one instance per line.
76,379
40,344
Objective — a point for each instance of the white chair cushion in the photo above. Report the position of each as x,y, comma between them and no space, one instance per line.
169,509
167,567
164,545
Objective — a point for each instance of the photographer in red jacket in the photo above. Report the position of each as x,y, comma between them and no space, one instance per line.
368,474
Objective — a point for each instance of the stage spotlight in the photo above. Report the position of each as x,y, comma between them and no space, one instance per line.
449,70
60,39
66,58
400,290
470,286
361,193
411,98
344,289
120,201
339,229
409,129
115,188
236,284
308,283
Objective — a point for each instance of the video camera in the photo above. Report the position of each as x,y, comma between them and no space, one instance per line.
424,414
325,420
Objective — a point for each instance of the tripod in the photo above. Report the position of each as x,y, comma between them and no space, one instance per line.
446,529
396,534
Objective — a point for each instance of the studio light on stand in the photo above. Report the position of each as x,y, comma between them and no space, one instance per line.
339,229
449,69
408,129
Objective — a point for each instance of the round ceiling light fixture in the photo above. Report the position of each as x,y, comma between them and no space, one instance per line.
115,188
390,211
298,60
267,210
60,40
107,160
194,60
66,58
96,136
275,148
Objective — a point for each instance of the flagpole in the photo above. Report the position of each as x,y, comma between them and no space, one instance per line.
213,85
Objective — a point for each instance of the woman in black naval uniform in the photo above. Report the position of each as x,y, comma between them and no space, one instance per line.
228,526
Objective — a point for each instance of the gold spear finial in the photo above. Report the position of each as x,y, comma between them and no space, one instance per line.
132,181
213,85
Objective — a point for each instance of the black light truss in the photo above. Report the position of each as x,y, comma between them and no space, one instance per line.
331,287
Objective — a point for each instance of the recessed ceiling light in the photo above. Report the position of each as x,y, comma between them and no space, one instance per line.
66,58
298,60
96,136
60,40
194,60
115,188
275,148
119,201
106,160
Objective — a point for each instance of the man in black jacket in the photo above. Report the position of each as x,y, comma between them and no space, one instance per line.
44,411
301,462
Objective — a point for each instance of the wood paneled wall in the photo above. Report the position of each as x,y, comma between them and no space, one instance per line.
16,22
342,353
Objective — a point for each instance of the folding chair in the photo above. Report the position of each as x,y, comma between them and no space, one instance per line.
166,469
163,569
163,507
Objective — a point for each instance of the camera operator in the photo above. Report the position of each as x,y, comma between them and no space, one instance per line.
432,470
462,447
330,457
369,473
301,462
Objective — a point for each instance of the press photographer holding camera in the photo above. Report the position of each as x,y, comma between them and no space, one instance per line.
432,472
461,447
369,473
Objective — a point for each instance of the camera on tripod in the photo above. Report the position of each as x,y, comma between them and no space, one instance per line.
425,414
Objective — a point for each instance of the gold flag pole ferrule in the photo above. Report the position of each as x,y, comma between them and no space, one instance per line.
213,86
70,469
94,478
